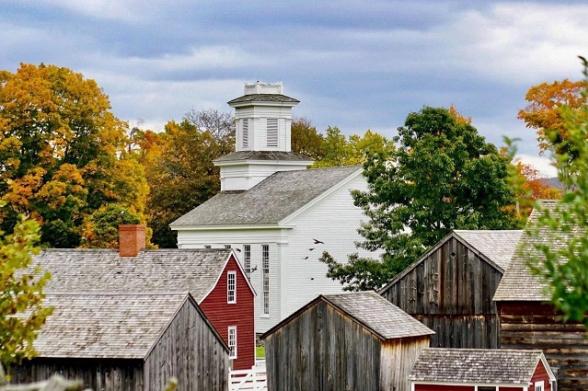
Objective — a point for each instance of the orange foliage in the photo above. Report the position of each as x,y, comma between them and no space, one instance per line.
542,113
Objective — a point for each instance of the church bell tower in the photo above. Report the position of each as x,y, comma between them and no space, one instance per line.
263,117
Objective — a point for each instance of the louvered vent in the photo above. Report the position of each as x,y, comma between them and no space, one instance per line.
272,132
246,133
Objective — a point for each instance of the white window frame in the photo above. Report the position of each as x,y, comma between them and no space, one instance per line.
232,342
231,290
265,270
540,384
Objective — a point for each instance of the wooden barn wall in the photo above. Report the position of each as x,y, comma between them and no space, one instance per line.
534,325
189,351
99,375
322,350
451,292
396,362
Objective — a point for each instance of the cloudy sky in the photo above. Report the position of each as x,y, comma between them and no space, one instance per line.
353,64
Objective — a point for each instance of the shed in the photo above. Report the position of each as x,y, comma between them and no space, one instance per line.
450,288
132,341
528,320
348,341
443,369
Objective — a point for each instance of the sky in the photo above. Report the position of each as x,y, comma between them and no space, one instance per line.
354,64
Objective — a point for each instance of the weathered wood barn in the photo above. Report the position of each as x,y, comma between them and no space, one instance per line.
354,341
529,321
439,369
450,288
134,341
212,276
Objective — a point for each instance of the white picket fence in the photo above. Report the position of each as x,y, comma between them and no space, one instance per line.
254,379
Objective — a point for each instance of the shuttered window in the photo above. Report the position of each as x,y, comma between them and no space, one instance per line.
272,132
231,287
232,343
245,131
265,272
247,259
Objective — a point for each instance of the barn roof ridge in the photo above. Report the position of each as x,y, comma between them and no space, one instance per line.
458,235
401,324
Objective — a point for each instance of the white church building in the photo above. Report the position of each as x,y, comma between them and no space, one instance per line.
277,213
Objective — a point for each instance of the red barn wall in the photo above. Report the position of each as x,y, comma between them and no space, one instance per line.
241,314
510,388
432,387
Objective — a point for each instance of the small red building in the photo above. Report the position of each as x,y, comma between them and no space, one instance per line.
438,369
213,277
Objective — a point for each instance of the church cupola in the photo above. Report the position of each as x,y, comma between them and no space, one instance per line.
263,116
263,145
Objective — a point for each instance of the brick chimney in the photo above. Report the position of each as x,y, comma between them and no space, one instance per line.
131,239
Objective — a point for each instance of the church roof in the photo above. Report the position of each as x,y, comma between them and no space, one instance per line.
263,155
278,98
268,202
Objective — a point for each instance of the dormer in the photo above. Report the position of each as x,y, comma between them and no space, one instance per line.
263,117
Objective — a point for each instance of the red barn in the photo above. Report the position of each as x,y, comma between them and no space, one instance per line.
213,277
438,369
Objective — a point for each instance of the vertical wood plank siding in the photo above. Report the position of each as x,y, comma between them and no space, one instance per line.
189,351
99,375
321,349
398,358
451,292
536,325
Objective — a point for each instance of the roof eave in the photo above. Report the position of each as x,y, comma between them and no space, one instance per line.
233,227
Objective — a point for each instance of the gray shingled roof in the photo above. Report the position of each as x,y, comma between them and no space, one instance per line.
475,366
498,245
152,271
279,98
518,283
105,326
378,314
264,155
268,202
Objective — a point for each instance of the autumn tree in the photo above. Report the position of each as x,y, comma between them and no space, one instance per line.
561,258
22,312
181,174
62,153
306,140
442,176
543,110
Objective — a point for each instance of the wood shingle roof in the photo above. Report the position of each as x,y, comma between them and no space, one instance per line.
475,366
518,283
267,203
93,325
372,311
152,271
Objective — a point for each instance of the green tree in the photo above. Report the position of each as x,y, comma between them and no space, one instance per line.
101,227
22,312
561,259
442,175
62,153
181,175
